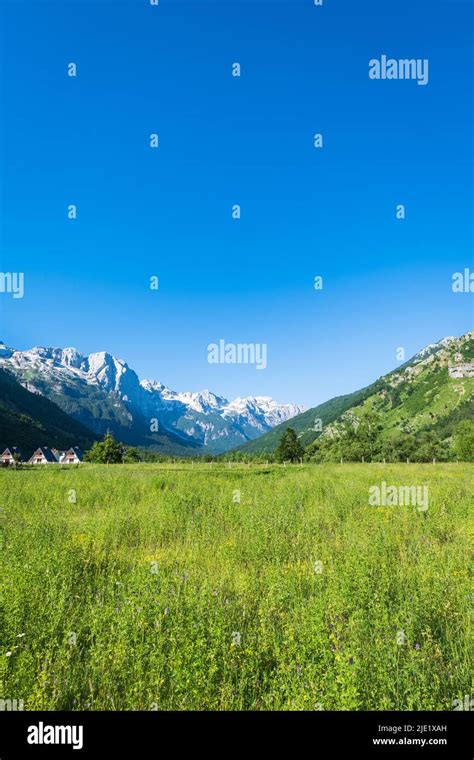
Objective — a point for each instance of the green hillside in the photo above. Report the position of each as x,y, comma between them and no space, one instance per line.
28,420
420,404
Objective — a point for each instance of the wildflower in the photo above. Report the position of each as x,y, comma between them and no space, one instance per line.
8,654
417,646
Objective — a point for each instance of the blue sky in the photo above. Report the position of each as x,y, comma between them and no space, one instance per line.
247,141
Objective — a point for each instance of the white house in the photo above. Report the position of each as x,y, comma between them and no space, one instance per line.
8,456
73,455
43,455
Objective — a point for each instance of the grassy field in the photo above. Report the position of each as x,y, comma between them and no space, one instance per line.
144,587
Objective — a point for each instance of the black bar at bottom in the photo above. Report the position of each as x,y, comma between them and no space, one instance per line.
104,734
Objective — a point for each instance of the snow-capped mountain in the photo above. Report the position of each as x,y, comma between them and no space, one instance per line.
103,392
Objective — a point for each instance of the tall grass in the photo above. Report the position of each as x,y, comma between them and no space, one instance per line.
143,587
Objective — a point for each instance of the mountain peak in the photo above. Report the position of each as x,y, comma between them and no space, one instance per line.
433,348
5,352
69,357
111,373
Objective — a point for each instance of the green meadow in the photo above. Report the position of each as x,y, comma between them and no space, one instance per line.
216,587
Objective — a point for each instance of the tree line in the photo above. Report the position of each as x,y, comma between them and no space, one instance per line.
357,439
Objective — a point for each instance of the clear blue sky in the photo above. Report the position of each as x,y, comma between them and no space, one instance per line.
226,140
